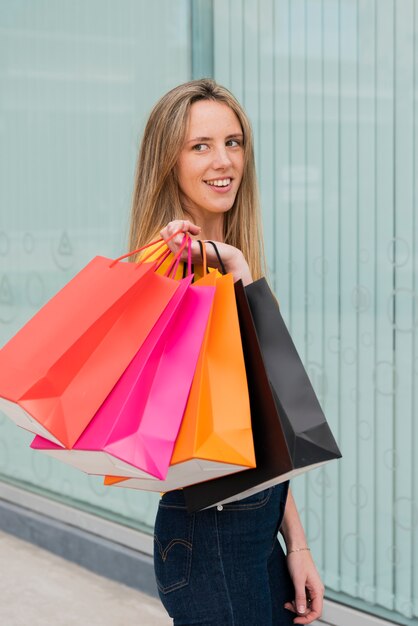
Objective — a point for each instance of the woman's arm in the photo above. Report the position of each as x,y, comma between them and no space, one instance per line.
309,590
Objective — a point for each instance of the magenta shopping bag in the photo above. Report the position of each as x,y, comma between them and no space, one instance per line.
134,431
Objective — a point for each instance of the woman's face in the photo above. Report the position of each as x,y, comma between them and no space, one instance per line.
211,162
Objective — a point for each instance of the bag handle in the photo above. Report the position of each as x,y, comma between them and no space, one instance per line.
171,271
152,243
204,256
221,263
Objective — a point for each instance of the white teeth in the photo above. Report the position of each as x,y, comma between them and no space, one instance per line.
219,183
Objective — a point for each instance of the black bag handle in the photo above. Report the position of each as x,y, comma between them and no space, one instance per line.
185,269
221,263
203,256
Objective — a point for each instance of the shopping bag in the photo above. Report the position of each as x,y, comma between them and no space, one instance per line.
290,431
215,436
134,431
58,369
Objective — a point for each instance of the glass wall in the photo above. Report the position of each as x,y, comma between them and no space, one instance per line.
331,88
77,80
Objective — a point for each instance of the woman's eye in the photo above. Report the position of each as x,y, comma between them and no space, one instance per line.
200,147
233,143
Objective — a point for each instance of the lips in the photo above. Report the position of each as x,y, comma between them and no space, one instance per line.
220,185
219,182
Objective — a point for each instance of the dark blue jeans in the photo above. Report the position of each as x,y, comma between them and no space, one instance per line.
223,566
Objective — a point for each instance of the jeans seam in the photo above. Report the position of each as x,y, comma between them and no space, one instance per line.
223,571
172,506
249,506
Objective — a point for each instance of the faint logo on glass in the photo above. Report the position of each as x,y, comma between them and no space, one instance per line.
360,298
7,301
35,290
63,252
359,496
28,243
398,252
354,548
385,378
406,513
4,244
320,483
402,306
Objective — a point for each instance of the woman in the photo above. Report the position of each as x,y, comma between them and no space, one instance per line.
222,566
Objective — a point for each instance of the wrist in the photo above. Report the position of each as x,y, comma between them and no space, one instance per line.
294,540
300,549
238,266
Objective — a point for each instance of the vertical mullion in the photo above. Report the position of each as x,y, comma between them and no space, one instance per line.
282,145
236,60
384,361
403,298
329,269
297,174
251,85
221,50
201,14
317,481
297,205
364,301
353,548
414,437
266,172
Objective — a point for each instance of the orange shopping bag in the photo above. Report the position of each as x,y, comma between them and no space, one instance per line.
215,437
58,369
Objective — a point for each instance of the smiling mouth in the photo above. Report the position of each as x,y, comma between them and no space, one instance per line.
219,182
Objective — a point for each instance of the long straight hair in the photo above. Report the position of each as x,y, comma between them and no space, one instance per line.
156,195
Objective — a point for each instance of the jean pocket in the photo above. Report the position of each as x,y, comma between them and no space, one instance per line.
173,547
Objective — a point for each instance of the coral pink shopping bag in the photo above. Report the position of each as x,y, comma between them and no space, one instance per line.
134,431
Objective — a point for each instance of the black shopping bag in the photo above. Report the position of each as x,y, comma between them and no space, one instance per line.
291,434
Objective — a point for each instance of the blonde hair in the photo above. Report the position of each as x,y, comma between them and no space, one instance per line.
156,198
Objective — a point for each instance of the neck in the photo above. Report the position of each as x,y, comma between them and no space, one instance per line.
214,234
211,225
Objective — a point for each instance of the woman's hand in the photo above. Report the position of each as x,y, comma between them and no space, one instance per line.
232,258
309,590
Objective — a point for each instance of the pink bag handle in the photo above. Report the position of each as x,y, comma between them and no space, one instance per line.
171,272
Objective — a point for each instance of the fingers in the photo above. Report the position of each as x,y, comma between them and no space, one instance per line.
312,607
310,615
300,597
185,226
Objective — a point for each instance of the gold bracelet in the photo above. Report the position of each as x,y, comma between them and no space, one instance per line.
297,550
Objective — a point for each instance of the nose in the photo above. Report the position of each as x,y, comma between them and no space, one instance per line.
221,158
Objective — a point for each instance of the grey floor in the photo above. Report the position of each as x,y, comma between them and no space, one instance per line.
41,589
38,588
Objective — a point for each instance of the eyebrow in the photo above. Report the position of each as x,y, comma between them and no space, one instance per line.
201,139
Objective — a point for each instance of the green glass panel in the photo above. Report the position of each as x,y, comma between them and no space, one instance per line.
77,81
330,87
